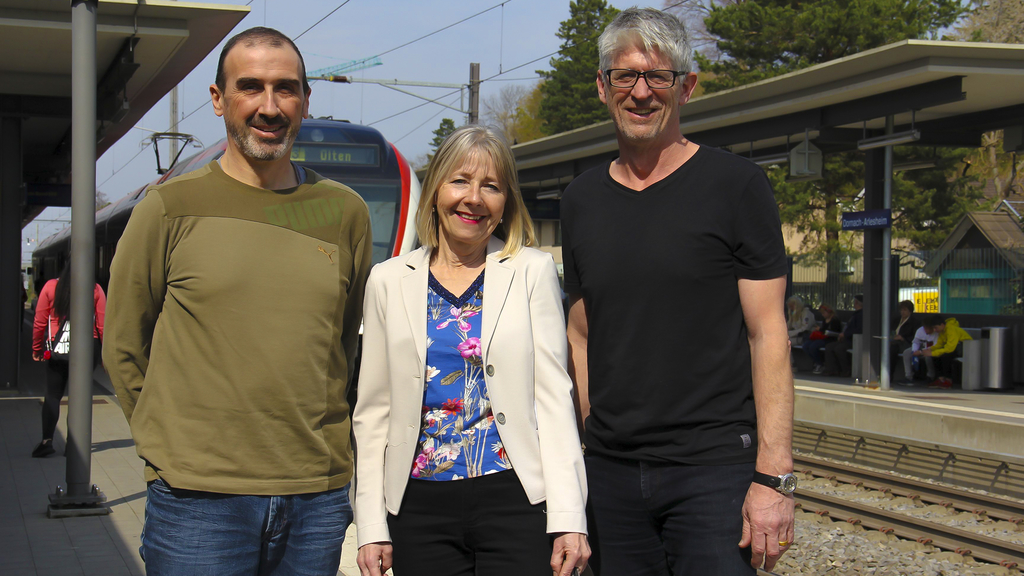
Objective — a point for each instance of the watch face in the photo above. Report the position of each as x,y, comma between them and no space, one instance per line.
788,484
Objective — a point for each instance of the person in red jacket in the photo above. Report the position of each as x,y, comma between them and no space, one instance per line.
52,308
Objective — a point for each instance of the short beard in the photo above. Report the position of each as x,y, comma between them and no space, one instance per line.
255,148
636,134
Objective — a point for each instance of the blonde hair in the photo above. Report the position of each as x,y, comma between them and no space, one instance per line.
798,308
516,225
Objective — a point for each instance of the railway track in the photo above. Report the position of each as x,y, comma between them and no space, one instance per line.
993,510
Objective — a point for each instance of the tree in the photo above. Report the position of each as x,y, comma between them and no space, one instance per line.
766,38
993,21
446,127
759,39
101,200
692,13
528,119
570,95
928,203
514,111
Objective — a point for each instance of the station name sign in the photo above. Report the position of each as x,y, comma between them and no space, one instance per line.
867,220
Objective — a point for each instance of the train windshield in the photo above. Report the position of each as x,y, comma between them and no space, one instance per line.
383,200
362,166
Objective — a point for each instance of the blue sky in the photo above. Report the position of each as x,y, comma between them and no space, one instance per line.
500,39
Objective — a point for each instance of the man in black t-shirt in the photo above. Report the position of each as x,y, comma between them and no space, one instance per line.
675,266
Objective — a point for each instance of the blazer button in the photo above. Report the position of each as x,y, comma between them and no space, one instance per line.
490,369
500,417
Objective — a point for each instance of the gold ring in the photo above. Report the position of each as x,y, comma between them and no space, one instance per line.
783,543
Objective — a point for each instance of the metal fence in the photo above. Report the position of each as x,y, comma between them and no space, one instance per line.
966,281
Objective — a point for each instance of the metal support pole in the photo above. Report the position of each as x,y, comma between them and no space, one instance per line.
82,497
174,123
883,373
474,92
11,311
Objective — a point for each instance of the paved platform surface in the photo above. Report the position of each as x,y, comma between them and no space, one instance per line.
32,544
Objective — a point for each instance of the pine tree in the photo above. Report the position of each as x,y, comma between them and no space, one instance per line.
446,127
570,98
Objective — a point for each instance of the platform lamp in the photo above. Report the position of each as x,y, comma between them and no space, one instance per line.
806,162
891,138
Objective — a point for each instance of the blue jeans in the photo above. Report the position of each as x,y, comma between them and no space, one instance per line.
189,533
662,519
814,348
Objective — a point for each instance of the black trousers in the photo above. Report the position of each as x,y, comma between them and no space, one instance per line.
56,387
945,365
662,519
478,526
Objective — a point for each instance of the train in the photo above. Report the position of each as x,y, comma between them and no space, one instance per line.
357,156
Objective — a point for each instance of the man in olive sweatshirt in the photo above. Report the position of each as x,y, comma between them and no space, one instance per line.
231,338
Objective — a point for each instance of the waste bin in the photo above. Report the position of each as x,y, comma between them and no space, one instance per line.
997,371
973,362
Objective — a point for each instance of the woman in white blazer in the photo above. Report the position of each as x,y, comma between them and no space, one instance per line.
468,459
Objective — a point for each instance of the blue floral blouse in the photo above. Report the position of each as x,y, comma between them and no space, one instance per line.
458,438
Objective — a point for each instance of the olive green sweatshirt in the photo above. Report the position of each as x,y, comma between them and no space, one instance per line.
232,320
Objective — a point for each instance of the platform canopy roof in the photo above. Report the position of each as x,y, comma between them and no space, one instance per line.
144,48
951,91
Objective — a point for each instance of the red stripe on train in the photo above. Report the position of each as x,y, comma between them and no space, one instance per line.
403,219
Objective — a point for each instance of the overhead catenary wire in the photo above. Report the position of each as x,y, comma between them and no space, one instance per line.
296,39
502,72
491,78
488,79
114,173
438,113
400,46
208,100
443,29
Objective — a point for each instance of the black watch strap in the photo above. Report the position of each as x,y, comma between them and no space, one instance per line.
767,480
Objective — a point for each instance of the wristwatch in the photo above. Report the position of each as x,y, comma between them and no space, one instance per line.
784,483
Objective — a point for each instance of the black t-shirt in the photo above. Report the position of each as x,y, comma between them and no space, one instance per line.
668,357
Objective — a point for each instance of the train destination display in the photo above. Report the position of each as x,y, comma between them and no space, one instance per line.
347,154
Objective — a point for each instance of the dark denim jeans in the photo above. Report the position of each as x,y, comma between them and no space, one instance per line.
654,519
190,533
814,348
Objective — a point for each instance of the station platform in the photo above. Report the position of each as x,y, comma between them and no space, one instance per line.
33,545
990,422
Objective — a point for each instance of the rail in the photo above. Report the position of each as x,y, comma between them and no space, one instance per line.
984,486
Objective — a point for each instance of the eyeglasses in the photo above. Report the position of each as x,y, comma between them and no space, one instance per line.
656,79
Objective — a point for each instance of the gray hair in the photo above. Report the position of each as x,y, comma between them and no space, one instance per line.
654,29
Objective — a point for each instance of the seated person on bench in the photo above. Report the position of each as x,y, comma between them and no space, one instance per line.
800,321
837,354
829,331
947,348
924,338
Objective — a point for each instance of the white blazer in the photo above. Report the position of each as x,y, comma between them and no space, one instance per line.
524,352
